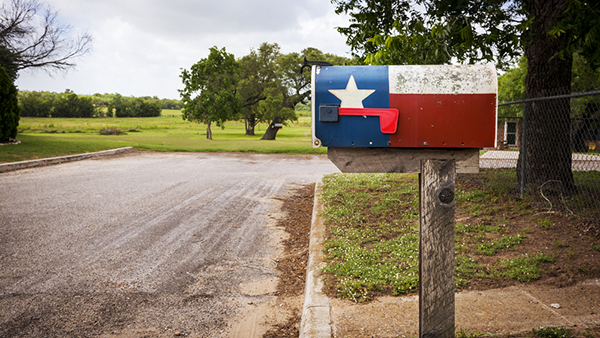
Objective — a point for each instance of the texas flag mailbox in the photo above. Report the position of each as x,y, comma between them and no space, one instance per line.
432,106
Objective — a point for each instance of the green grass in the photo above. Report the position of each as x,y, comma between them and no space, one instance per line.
373,241
49,137
491,248
374,244
525,268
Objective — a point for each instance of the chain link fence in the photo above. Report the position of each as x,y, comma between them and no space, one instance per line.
574,192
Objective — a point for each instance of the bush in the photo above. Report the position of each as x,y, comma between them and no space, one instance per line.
112,131
35,104
69,104
9,107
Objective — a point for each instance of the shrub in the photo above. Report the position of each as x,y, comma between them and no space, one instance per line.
112,131
9,107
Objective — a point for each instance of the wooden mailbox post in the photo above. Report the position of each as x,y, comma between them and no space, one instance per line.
399,119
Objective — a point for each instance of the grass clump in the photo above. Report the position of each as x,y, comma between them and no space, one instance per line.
491,248
545,223
551,332
525,268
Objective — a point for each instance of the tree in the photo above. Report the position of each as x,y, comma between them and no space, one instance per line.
9,107
210,90
258,76
68,104
294,87
31,36
511,87
549,32
35,104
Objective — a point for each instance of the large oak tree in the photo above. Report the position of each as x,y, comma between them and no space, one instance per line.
443,31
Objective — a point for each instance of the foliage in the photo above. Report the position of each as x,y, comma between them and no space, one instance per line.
551,332
69,104
271,85
258,80
511,87
397,32
294,86
32,36
43,104
136,107
35,104
210,89
525,268
9,107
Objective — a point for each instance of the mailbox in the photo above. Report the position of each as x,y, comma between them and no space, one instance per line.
432,106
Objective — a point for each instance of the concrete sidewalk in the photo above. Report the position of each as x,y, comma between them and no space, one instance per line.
500,311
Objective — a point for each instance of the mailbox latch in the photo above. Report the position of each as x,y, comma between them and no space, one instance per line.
328,113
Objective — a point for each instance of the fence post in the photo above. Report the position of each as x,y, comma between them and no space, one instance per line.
523,150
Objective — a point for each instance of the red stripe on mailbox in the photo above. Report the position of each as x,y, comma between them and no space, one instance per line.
444,120
388,118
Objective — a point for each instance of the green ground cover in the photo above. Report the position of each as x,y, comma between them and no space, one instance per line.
373,222
49,137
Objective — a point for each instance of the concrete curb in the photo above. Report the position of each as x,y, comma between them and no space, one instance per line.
58,160
316,316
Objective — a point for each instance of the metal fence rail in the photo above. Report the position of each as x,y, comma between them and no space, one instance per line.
584,201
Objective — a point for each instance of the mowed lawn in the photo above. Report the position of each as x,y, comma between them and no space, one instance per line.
49,137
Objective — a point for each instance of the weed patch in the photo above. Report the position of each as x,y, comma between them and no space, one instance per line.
551,332
525,268
372,243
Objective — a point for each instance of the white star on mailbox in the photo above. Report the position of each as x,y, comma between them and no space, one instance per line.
351,97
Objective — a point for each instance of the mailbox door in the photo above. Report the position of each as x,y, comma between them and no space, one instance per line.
438,106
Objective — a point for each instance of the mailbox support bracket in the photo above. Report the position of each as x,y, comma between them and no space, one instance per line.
400,160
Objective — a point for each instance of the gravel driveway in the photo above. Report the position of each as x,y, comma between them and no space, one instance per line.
141,244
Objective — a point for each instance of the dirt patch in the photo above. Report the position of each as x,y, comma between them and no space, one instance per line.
574,242
291,265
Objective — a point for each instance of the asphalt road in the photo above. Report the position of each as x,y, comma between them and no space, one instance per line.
142,244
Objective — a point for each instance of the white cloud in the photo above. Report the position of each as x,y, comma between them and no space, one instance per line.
140,47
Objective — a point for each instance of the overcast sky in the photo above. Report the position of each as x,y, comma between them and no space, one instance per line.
140,46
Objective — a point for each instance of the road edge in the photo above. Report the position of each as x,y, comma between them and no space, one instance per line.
316,315
5,167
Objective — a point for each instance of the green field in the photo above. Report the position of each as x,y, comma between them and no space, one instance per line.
49,137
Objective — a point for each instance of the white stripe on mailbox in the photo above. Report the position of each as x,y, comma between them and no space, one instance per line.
443,79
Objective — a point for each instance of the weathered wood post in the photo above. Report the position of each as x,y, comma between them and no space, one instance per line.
436,249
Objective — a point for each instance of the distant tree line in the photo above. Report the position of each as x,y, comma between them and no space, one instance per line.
69,104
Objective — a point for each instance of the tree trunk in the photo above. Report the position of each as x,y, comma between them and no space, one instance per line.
548,146
208,131
271,132
250,123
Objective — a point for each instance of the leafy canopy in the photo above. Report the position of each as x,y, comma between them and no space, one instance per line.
440,31
210,89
